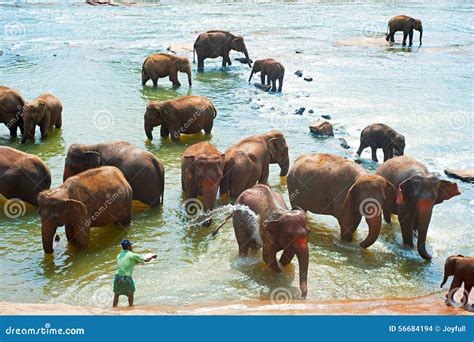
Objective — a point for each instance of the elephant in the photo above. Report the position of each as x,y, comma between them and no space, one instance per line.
418,191
163,64
462,268
11,108
143,170
44,111
202,167
270,68
187,114
382,136
213,44
327,184
405,24
22,175
270,225
248,162
93,198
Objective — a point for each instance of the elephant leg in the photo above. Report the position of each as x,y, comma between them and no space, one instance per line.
274,88
348,229
164,131
407,222
155,82
404,42
69,232
387,215
200,64
391,36
264,175
13,131
262,77
145,79
81,236
44,128
362,146
280,86
456,284
175,135
386,153
269,256
374,154
242,232
59,122
174,79
410,38
208,128
286,257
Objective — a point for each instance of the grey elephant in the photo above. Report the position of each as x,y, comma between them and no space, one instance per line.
405,24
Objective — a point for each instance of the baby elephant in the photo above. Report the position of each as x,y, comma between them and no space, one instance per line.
270,68
462,268
44,111
161,65
187,114
382,136
202,168
269,224
405,24
93,198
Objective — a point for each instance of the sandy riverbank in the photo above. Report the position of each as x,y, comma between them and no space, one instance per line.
432,304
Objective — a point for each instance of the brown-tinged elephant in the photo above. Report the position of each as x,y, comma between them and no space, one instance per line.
462,268
22,175
268,223
44,111
248,162
202,167
271,70
418,191
382,136
213,44
162,65
187,114
143,170
405,24
327,184
11,108
94,198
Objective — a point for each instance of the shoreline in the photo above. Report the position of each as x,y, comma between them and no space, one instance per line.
431,304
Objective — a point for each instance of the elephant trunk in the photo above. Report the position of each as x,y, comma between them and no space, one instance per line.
303,260
148,129
209,192
48,229
421,34
284,167
189,76
251,74
374,224
423,219
247,56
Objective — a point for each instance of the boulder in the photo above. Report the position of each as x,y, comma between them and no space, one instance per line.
343,143
326,116
310,111
300,111
321,128
299,73
243,60
264,87
299,51
464,175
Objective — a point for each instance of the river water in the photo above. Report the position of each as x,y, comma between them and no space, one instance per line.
91,58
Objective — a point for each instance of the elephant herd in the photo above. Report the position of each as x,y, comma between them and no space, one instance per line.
101,180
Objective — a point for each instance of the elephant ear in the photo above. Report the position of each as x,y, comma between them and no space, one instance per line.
76,211
402,193
447,190
91,160
271,230
390,194
348,206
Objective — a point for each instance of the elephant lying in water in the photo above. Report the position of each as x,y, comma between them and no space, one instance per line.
248,162
161,65
44,111
187,114
202,167
22,175
462,268
11,108
143,170
93,198
418,191
213,44
277,229
331,185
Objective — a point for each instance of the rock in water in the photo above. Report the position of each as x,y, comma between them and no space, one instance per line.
299,51
300,111
264,87
464,175
299,73
343,143
308,79
243,60
321,128
326,116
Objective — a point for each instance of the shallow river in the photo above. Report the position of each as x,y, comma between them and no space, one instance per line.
91,57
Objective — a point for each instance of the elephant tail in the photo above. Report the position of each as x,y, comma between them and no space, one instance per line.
215,110
194,53
214,233
161,170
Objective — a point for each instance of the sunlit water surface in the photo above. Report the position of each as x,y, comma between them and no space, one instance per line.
91,57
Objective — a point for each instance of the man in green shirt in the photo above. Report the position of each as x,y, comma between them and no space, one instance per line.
123,282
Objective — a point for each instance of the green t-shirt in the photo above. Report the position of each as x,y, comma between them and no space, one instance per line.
126,261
